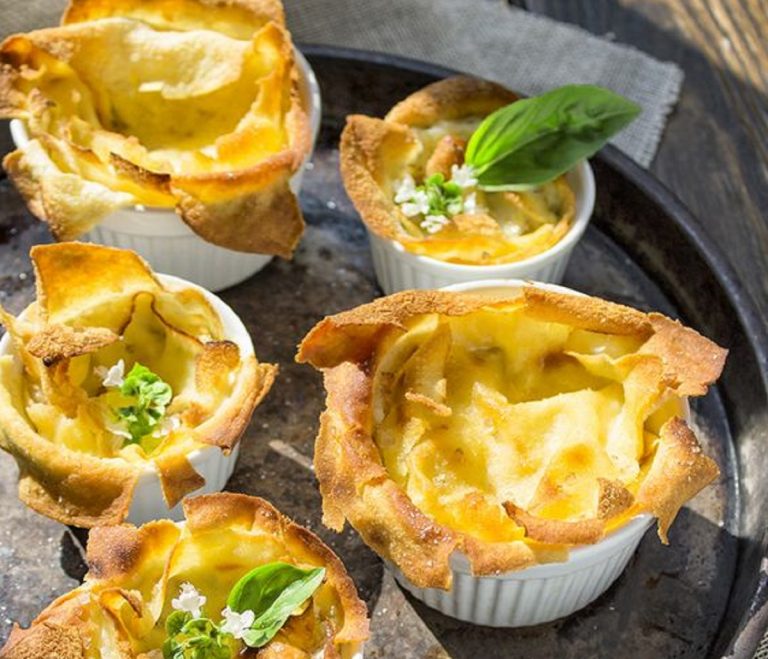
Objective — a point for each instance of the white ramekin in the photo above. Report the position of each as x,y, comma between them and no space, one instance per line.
397,269
209,461
543,592
161,237
537,594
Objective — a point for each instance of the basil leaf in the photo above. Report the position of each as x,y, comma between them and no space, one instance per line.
443,197
272,591
535,140
151,396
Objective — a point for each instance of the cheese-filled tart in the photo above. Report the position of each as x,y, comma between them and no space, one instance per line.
163,104
236,579
114,372
504,426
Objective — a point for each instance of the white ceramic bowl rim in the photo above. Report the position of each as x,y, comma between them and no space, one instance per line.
20,136
585,203
234,330
583,556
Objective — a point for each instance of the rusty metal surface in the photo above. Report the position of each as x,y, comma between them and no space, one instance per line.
685,600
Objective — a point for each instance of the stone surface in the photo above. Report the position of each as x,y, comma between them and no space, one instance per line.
669,601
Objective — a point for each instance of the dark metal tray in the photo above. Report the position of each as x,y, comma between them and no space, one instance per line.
704,595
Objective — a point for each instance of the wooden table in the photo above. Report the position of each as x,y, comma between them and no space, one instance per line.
714,153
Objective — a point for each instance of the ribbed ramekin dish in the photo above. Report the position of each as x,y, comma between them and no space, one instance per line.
538,594
161,237
397,269
541,593
209,461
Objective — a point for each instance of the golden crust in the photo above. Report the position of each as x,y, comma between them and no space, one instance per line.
691,361
281,651
232,188
142,177
351,335
614,499
136,566
93,304
556,532
453,98
47,639
448,152
376,154
115,552
71,489
57,342
678,472
92,275
69,204
356,486
368,150
597,316
237,18
177,477
254,212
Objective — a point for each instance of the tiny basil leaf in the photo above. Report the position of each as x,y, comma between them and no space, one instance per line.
176,621
151,396
535,140
272,592
172,650
452,190
202,627
196,638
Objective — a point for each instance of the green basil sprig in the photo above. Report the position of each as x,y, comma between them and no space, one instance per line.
151,396
444,196
272,591
270,594
196,638
535,140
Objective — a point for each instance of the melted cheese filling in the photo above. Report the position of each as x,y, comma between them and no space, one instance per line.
169,101
476,410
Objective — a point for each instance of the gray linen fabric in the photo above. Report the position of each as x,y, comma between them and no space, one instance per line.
526,52
488,38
